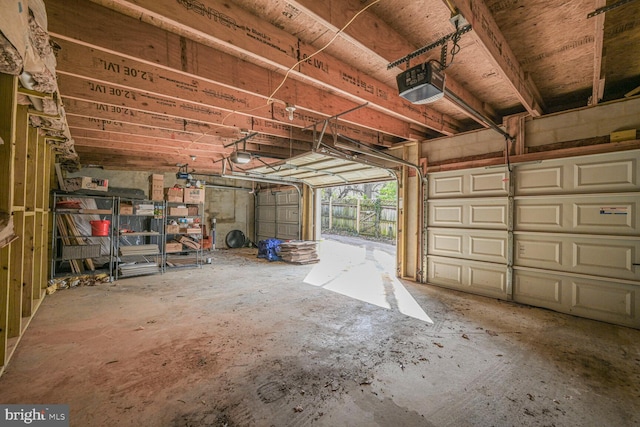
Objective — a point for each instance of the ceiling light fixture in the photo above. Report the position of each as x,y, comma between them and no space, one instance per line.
290,109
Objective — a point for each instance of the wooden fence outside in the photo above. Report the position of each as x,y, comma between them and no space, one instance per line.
363,217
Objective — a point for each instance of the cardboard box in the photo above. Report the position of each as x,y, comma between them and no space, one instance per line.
192,230
156,194
156,187
173,229
176,211
173,194
623,135
126,209
173,247
156,178
86,183
193,195
193,210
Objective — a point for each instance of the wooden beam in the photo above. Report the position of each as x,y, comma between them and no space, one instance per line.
515,126
218,135
93,152
371,34
111,99
5,272
488,36
97,64
263,45
598,37
16,274
8,111
143,143
557,153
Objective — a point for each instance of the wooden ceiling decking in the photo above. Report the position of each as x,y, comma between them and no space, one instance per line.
147,84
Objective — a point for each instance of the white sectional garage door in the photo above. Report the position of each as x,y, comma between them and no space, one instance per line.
577,236
575,245
468,216
278,215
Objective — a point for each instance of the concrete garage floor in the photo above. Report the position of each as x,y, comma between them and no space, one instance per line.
248,342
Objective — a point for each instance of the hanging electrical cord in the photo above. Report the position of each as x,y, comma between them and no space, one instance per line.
271,100
455,38
335,36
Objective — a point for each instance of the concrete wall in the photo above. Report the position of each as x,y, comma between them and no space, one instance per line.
232,208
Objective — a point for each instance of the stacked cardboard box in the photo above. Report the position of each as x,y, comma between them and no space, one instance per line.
86,183
178,211
193,195
173,247
173,194
126,209
299,252
156,186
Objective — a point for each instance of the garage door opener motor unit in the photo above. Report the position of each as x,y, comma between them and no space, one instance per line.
421,84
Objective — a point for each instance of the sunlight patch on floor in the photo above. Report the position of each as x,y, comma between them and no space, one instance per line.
364,274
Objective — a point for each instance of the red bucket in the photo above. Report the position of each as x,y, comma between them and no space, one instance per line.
100,228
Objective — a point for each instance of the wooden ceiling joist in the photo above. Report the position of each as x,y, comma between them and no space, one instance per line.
375,38
487,34
254,40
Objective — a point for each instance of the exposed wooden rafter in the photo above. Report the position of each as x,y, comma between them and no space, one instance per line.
598,37
487,34
368,26
268,46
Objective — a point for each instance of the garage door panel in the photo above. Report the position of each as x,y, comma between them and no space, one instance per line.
469,183
267,213
470,276
278,215
287,198
595,214
536,181
480,245
603,299
611,301
612,176
576,234
266,230
538,289
469,213
593,255
287,231
266,198
615,172
288,214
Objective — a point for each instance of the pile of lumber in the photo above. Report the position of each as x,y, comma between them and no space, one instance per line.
299,252
69,235
139,250
130,270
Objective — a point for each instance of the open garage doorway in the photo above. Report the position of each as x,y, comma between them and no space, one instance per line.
358,247
363,200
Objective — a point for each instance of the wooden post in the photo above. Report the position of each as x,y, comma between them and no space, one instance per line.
330,213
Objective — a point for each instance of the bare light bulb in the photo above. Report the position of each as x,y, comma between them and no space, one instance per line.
290,109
